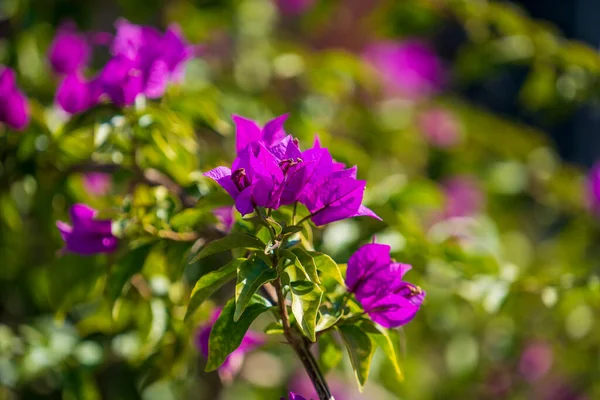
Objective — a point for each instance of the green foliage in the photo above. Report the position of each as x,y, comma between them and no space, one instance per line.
210,283
227,333
252,274
232,241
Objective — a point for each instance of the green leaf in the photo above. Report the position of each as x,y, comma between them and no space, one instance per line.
329,270
382,337
274,328
309,264
251,275
306,300
227,335
288,230
360,349
232,241
124,269
275,225
327,320
330,352
295,270
210,283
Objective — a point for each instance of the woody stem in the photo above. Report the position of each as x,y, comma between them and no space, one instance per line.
301,348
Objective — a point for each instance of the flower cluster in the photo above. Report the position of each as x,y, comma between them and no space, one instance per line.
593,189
377,282
271,171
410,68
232,364
143,61
87,235
14,109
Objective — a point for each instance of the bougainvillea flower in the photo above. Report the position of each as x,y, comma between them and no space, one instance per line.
157,58
463,197
337,196
234,361
122,81
593,189
536,361
248,131
87,235
97,183
75,94
377,282
225,218
410,68
301,383
69,51
440,127
294,396
254,180
14,108
292,7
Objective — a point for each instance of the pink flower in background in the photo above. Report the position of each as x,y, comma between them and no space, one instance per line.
410,68
14,107
593,189
440,127
536,361
293,7
69,51
87,235
463,197
233,363
97,183
225,217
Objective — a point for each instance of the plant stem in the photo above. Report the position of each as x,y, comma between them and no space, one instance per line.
301,348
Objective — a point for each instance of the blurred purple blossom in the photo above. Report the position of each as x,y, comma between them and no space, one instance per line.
294,7
536,361
225,217
76,94
86,235
69,51
233,363
593,189
97,183
377,282
14,108
409,68
463,196
440,127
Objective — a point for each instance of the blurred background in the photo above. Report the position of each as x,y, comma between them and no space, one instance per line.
473,121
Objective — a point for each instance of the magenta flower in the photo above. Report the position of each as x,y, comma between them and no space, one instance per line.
69,51
410,68
75,94
14,109
377,282
301,383
87,236
233,363
463,197
248,131
440,127
536,361
293,7
97,183
593,189
145,61
225,218
271,171
294,396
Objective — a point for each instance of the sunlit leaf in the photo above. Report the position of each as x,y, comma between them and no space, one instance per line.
360,349
210,283
252,274
227,335
232,241
306,300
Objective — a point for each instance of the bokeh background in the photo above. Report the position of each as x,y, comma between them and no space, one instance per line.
473,121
